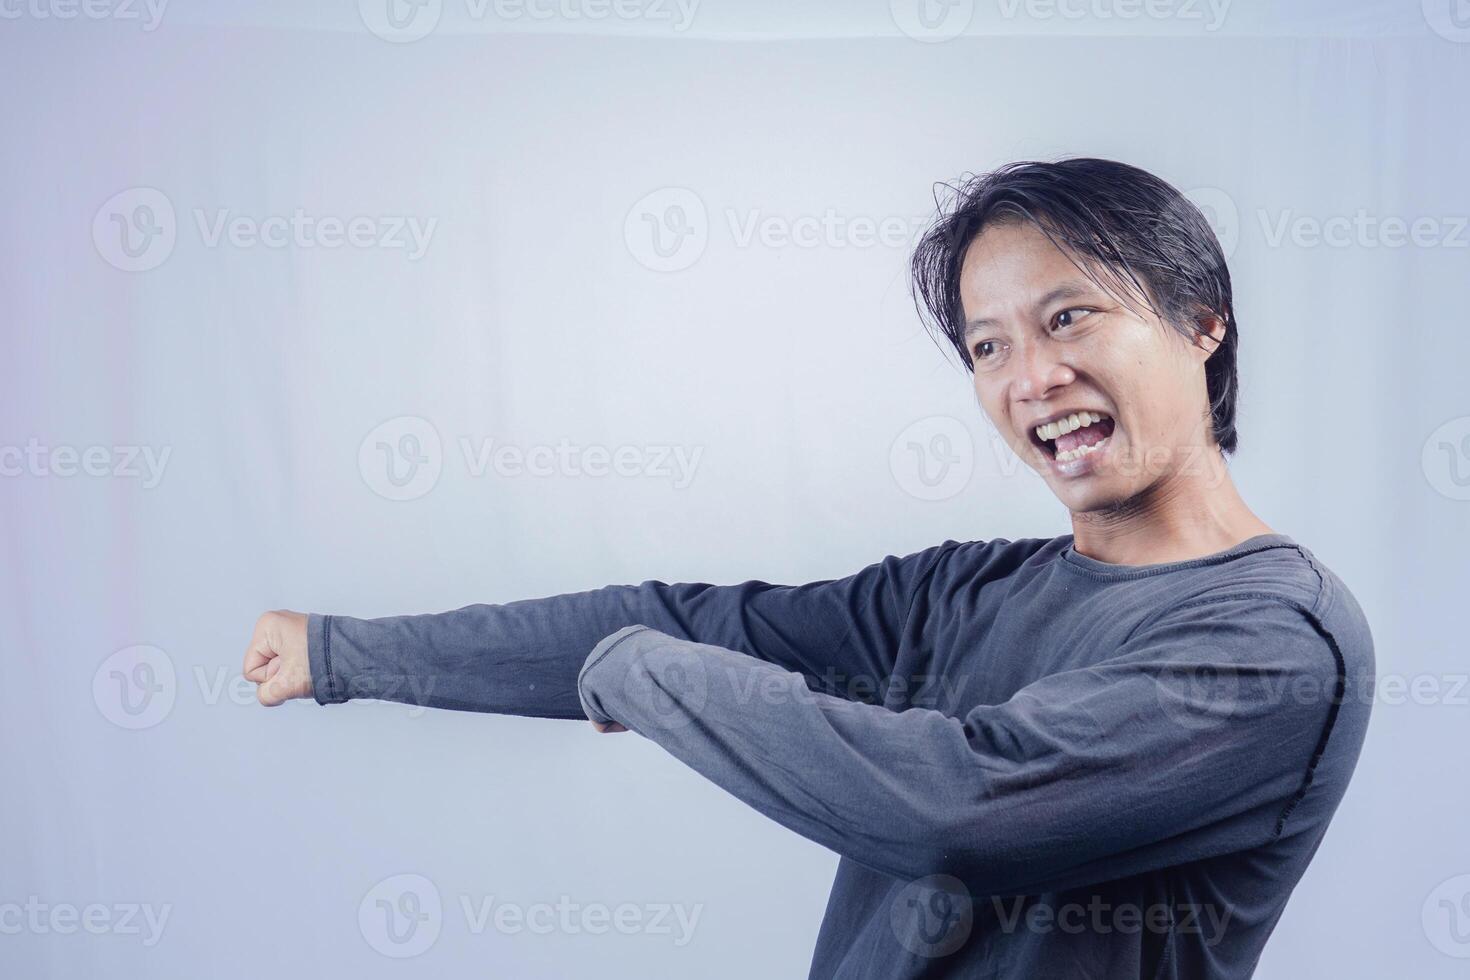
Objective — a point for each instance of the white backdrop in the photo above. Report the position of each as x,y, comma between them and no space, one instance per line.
318,309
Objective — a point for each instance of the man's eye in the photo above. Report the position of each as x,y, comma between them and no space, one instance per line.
1069,318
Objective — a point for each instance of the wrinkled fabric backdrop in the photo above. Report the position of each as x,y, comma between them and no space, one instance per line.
375,309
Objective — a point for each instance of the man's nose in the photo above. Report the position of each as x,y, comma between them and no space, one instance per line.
1039,370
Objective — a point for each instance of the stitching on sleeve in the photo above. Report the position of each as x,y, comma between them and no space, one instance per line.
587,668
1339,692
327,656
1339,688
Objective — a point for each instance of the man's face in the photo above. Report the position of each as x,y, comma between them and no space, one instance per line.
1124,392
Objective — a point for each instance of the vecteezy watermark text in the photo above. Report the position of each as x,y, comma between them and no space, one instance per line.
403,915
137,687
405,21
96,918
668,229
137,229
149,13
1364,229
1207,14
403,458
302,230
676,463
36,459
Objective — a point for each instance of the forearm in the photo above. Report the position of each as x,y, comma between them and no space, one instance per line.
1083,777
837,772
517,658
522,657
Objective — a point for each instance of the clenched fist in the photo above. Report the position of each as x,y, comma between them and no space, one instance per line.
276,659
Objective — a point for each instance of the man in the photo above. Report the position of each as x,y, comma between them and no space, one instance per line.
1107,754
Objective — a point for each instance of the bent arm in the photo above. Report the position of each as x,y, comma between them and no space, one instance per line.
522,658
1190,743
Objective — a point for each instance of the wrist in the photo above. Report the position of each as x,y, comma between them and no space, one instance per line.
327,685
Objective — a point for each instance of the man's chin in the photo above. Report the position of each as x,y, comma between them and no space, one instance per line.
1092,495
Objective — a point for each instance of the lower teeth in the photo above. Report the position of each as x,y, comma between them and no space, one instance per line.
1067,455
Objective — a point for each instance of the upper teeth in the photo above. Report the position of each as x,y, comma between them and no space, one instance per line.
1062,426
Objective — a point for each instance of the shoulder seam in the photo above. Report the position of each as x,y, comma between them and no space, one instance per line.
1326,594
946,548
1339,691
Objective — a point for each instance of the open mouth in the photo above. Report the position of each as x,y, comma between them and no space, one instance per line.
1073,436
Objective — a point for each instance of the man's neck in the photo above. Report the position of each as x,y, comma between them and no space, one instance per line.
1182,517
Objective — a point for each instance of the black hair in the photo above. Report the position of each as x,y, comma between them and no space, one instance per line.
1143,237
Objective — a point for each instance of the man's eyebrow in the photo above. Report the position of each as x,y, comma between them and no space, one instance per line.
1071,289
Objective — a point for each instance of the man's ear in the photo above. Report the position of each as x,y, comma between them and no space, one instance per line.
1210,333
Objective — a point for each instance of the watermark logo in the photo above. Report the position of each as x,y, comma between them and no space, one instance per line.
407,233
932,21
140,686
932,916
675,463
1220,211
37,459
149,13
1363,229
402,458
1198,696
1209,14
667,230
569,917
401,916
678,15
933,458
1099,917
135,688
1446,917
1210,694
1446,459
404,21
135,230
830,229
400,21
1450,19
96,919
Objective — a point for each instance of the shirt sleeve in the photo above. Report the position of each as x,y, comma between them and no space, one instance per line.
1192,741
522,657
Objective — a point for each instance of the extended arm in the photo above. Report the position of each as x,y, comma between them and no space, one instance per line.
523,657
1191,742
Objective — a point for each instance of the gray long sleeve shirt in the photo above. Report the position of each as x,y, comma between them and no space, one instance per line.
1032,763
